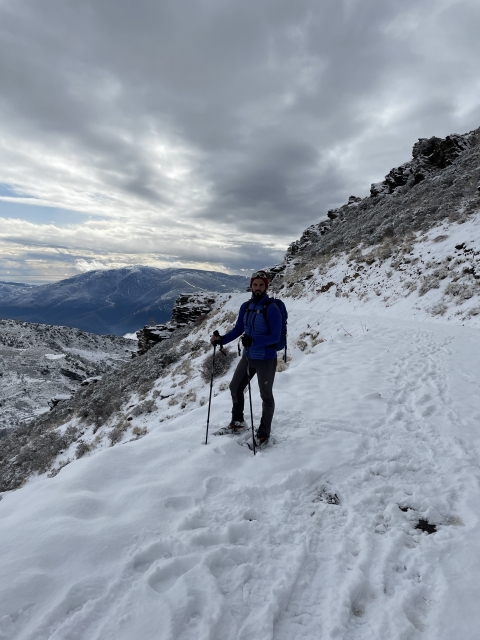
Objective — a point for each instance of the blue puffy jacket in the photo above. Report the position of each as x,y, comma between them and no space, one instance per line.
251,320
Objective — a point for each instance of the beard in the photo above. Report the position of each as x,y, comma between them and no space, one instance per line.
258,294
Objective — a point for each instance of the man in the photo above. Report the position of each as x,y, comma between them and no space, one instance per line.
260,322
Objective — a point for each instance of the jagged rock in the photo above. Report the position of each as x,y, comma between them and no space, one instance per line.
188,308
61,397
429,155
72,375
308,237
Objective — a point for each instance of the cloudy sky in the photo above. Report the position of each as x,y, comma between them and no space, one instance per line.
210,133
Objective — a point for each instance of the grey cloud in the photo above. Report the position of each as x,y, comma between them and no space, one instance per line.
277,110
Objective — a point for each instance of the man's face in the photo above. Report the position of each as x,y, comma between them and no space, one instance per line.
258,288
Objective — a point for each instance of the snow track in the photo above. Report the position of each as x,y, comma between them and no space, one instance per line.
312,539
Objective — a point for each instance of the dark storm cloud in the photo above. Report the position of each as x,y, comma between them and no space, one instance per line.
244,117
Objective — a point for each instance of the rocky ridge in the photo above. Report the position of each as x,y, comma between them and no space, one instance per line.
373,246
440,183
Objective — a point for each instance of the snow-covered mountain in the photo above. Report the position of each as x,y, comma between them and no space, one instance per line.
362,521
112,301
13,289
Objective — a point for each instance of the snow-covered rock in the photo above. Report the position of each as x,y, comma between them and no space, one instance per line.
188,308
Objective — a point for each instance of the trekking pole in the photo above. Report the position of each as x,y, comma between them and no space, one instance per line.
215,333
250,398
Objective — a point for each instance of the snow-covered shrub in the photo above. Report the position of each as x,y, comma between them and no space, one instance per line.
82,448
309,339
27,450
222,364
475,311
116,434
438,309
139,432
384,251
184,368
460,290
143,407
54,472
441,273
191,396
429,282
228,318
302,344
410,285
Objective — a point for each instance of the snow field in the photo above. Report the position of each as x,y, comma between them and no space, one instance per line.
312,538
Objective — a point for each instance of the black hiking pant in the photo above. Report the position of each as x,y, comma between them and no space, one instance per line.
265,370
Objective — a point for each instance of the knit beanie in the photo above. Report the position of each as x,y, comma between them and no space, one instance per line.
259,275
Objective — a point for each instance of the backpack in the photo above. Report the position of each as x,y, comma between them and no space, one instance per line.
282,343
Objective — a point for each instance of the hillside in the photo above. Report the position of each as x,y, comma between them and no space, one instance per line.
40,362
113,301
361,522
13,289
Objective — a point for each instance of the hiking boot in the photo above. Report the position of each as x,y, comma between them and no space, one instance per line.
236,426
261,440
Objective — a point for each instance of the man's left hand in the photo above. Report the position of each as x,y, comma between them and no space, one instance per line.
247,341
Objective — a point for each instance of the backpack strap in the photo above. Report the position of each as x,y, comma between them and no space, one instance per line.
264,312
244,309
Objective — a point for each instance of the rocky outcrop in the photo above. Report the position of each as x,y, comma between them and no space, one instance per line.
440,182
188,309
430,155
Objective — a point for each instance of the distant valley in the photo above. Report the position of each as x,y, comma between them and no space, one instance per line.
39,363
114,301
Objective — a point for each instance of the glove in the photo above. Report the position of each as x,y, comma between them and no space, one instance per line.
247,341
216,338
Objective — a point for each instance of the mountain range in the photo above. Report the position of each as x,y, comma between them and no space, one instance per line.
113,301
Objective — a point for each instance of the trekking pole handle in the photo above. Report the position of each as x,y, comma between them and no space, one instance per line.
215,333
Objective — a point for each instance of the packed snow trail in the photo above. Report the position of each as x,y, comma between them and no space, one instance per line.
313,538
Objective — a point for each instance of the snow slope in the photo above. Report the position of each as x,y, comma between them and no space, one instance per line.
432,276
36,360
165,538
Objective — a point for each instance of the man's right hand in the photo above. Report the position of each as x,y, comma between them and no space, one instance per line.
216,338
